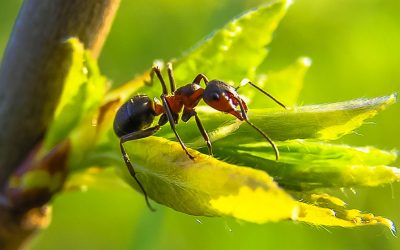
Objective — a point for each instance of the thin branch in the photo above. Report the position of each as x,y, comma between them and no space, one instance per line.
31,81
31,72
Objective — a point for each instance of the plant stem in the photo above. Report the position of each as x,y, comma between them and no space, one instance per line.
32,73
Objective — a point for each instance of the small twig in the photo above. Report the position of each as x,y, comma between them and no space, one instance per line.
31,80
32,72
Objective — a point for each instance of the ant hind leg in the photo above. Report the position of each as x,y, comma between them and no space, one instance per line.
156,70
171,77
130,137
204,134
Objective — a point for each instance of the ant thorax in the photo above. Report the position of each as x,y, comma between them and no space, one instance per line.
188,95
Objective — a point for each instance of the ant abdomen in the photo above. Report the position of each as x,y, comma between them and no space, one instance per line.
134,115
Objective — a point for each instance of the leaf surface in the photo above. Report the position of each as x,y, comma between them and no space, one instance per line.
206,186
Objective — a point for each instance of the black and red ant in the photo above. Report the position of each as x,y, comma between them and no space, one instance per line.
134,118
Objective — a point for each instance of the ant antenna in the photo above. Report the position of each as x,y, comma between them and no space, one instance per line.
267,138
262,91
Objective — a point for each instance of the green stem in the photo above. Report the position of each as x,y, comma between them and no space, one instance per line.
31,78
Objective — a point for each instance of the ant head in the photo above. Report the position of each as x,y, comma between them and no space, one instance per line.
223,97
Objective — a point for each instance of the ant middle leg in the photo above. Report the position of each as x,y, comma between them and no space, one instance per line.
203,133
130,137
262,91
171,120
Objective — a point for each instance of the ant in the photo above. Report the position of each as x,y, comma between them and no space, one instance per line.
134,118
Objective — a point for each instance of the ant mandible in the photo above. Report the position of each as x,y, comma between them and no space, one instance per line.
134,118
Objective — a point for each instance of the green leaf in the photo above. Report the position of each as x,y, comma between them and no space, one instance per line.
305,165
284,84
327,210
324,121
205,186
83,90
209,187
235,51
232,53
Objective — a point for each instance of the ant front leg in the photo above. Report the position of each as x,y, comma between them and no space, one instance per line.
246,119
130,137
262,91
204,134
171,120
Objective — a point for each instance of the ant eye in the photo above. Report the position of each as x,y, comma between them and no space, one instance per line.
215,96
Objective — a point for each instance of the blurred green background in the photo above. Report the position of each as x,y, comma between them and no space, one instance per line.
354,46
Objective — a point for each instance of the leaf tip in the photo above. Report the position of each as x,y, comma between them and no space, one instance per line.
389,224
390,99
394,95
386,101
393,229
305,61
73,43
288,3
